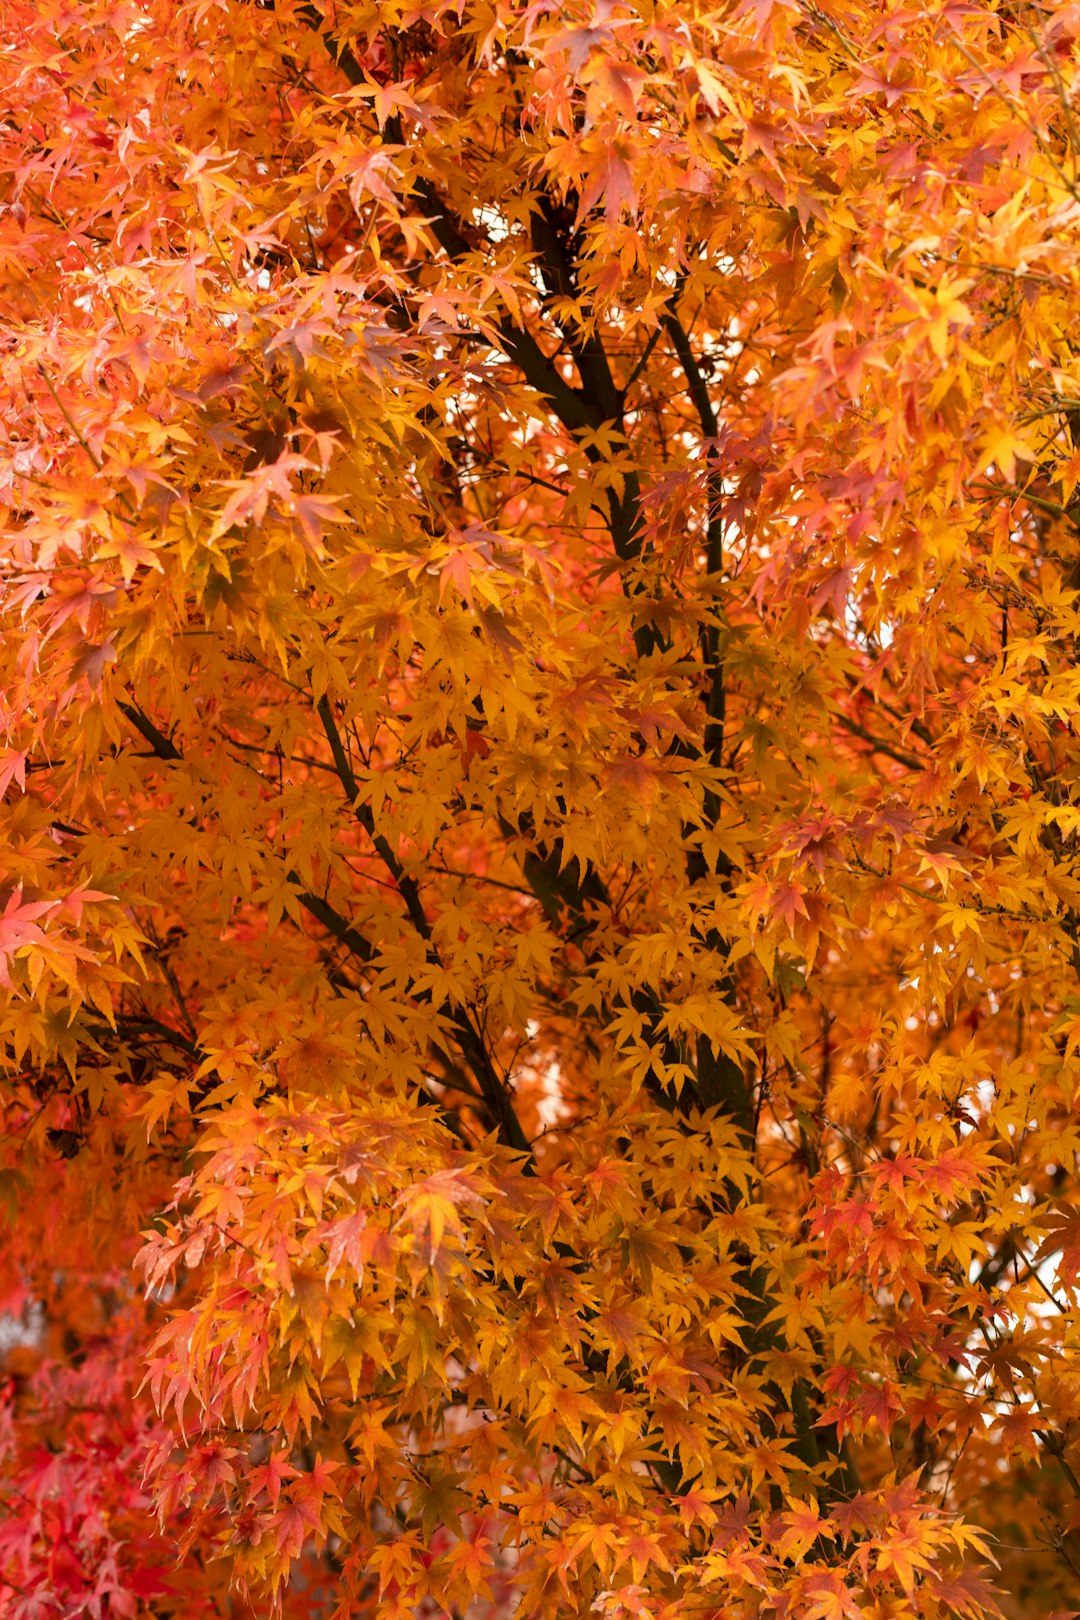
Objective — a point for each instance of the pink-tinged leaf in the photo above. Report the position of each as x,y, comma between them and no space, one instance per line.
430,1209
271,1475
304,338
611,181
1063,1240
72,905
313,513
272,481
577,43
344,1241
366,178
293,1524
93,661
12,769
19,928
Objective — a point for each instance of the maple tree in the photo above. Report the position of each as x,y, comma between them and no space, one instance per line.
540,916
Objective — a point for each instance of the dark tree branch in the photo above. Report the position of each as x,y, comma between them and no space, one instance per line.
467,1034
146,728
695,381
880,746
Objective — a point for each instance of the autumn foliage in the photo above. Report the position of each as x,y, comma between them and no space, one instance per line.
540,826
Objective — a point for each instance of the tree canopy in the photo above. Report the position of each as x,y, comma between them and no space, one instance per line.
540,768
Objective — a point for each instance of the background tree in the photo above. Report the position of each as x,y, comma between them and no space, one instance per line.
540,806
